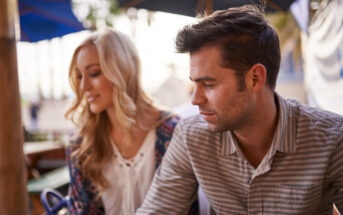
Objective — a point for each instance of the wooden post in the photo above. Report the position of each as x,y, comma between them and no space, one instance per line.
204,7
209,7
13,194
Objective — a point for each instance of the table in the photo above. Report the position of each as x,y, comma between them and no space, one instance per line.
35,148
34,151
54,179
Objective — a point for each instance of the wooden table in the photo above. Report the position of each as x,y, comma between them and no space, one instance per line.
34,151
36,148
54,179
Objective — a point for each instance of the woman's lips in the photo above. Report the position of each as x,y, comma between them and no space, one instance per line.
92,98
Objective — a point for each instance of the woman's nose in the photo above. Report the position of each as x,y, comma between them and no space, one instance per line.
84,85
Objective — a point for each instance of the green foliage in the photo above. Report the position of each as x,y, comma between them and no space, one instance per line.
114,7
34,136
288,32
100,13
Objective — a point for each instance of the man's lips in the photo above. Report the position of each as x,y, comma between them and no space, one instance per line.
205,112
207,116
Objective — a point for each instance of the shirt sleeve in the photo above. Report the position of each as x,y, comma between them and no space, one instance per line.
174,186
336,174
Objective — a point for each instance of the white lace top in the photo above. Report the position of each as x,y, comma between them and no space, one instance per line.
129,178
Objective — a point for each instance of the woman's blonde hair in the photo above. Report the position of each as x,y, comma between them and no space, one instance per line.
120,64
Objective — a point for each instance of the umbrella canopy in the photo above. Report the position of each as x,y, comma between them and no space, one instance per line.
46,19
191,7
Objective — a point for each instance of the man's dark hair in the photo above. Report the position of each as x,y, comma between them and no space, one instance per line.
243,36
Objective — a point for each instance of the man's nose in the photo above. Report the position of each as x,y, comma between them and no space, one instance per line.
198,97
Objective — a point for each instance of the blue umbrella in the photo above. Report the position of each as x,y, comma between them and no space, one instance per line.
191,7
46,19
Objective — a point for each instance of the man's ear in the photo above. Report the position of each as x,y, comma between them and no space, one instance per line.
256,77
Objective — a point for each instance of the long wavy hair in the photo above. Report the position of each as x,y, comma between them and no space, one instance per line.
120,64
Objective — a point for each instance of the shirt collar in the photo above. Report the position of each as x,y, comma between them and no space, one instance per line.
284,136
228,144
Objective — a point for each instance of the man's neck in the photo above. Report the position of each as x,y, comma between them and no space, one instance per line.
255,140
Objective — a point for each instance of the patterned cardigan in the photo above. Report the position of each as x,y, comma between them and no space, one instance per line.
82,191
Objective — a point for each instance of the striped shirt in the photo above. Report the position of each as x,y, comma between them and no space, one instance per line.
301,174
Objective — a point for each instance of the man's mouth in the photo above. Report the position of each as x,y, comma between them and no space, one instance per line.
207,116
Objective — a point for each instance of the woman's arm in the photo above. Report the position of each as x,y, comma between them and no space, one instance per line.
81,190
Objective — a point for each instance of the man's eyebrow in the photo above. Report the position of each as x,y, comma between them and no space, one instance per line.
205,78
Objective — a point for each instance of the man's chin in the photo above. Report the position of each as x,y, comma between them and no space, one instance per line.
215,128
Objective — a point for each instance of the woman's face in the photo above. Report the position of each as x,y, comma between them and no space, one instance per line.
95,86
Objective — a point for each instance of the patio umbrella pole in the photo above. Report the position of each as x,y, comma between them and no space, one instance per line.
209,7
13,195
204,6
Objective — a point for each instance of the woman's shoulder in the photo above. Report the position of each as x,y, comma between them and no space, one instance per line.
167,123
168,119
74,144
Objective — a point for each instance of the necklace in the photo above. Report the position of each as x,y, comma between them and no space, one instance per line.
132,162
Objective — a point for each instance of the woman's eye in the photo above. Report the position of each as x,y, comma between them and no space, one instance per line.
79,77
95,74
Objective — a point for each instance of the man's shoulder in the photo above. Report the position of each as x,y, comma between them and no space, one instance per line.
315,118
194,121
197,136
195,124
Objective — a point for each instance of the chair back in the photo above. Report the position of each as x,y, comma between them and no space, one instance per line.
54,202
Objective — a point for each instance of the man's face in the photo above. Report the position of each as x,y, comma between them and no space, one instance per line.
216,92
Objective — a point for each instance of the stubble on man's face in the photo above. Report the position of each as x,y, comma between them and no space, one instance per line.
233,113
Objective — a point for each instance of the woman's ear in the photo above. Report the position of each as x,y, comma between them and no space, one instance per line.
256,77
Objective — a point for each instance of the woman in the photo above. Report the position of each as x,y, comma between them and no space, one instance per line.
121,137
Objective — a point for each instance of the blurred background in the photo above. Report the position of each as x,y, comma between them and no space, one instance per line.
311,68
310,32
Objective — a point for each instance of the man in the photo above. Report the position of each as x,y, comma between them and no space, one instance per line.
252,151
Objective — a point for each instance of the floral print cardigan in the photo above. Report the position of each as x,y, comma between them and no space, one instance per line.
83,193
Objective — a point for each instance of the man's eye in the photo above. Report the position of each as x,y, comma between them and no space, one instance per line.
79,77
207,84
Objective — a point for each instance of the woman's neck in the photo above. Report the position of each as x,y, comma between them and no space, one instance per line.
128,141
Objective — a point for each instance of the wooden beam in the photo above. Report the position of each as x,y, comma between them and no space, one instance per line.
274,5
209,7
132,3
200,6
204,6
13,194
